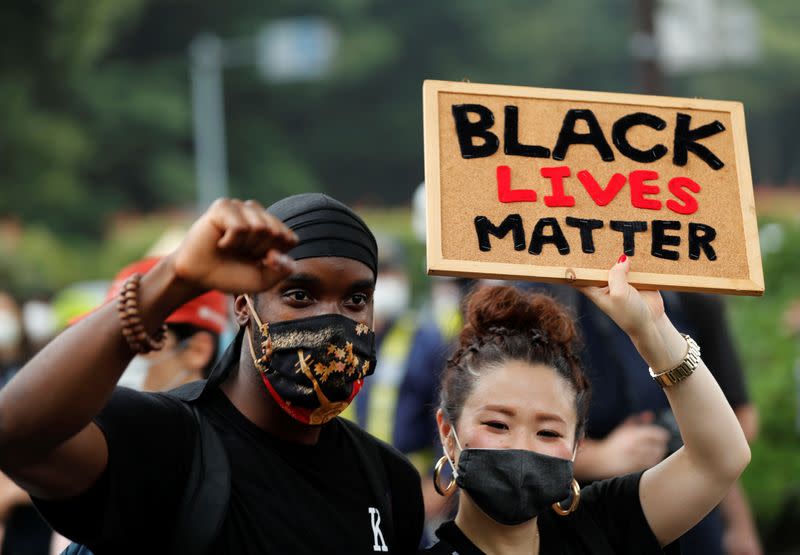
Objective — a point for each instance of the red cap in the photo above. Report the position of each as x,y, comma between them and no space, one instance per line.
207,312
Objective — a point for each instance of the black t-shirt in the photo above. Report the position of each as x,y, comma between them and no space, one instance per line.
608,521
285,497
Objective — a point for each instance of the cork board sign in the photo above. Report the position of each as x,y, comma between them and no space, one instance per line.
554,185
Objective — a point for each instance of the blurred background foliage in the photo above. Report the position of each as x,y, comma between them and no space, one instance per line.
96,131
97,116
770,355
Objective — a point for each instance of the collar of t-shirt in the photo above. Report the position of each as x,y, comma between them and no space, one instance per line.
452,535
224,408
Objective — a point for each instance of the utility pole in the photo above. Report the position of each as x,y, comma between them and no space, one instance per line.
208,113
283,50
644,47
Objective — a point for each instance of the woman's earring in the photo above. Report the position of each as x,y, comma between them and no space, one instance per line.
576,498
444,492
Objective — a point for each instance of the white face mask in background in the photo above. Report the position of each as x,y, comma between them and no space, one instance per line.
138,369
39,321
10,330
392,297
445,296
136,373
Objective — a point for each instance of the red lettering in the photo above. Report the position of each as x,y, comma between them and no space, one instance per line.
504,191
556,176
600,196
639,189
678,186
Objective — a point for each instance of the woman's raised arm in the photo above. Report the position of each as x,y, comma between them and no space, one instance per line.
678,492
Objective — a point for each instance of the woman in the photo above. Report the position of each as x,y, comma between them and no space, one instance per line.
514,399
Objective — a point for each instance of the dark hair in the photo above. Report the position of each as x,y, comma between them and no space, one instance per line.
185,331
504,323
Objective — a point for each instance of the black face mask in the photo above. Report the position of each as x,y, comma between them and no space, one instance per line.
313,367
513,486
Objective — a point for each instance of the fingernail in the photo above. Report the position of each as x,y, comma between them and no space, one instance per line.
622,259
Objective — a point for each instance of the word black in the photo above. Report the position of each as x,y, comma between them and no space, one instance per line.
685,139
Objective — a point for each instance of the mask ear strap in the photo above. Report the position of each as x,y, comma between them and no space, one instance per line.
455,436
256,360
458,443
266,346
253,310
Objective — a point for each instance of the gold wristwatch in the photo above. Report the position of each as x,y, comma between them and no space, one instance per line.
685,369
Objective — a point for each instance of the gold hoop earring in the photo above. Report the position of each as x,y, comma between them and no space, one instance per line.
576,498
436,472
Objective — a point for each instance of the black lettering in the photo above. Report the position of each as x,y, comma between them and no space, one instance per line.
586,227
629,231
619,134
567,136
700,237
661,239
512,223
511,143
686,140
466,130
538,238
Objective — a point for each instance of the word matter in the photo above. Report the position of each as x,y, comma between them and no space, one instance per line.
549,231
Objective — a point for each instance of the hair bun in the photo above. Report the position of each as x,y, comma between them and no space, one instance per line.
503,310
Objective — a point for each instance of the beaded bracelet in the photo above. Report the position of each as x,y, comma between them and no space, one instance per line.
132,327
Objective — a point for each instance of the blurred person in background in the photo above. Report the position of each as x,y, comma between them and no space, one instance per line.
394,324
439,322
39,322
13,344
192,346
414,428
22,530
709,316
631,426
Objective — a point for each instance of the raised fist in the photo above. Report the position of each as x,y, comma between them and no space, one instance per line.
235,247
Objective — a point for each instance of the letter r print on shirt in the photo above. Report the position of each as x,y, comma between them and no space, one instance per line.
379,544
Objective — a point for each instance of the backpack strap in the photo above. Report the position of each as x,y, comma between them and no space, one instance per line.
369,454
208,488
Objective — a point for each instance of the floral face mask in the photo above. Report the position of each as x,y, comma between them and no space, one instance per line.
312,367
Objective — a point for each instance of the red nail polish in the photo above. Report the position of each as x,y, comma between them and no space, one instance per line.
622,259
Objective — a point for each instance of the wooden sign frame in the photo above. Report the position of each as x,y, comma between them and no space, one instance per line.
438,264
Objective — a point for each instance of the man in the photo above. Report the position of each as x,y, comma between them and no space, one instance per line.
297,474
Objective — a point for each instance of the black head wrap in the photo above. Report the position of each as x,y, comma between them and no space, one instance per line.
326,227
